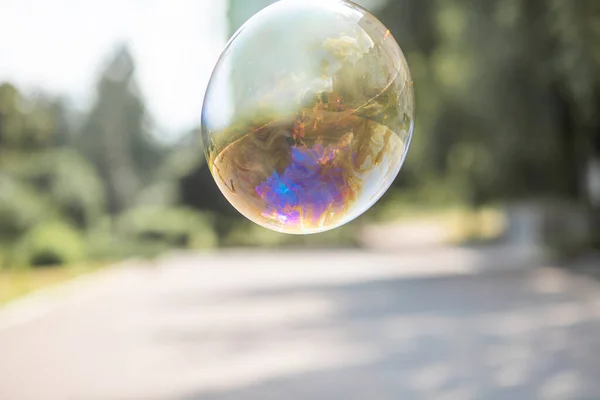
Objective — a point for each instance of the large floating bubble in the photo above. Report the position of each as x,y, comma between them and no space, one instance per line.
308,115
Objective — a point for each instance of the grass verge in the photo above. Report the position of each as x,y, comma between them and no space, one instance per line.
15,283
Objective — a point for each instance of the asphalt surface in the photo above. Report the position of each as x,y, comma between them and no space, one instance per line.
439,323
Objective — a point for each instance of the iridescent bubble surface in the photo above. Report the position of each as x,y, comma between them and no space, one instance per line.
308,115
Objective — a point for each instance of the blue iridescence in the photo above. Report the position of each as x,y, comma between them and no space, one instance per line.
309,186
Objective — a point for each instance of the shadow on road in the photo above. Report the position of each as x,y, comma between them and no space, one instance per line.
503,335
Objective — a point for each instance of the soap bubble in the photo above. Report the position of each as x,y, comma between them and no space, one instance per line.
308,115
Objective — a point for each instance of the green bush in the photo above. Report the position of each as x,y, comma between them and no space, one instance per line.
20,209
50,243
106,243
3,258
70,182
167,228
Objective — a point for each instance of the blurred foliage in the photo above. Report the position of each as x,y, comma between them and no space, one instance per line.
168,227
67,193
508,94
116,135
50,243
65,179
20,209
29,123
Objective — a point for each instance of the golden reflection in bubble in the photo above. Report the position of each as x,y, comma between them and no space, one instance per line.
320,122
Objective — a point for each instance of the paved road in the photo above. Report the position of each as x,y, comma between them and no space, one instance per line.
432,324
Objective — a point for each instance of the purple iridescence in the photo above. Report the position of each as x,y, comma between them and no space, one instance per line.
311,187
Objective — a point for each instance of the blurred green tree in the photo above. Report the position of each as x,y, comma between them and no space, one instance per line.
507,96
576,66
29,124
67,181
116,135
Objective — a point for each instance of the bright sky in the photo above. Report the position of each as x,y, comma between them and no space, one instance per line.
60,46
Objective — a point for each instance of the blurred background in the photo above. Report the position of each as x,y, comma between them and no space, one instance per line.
101,161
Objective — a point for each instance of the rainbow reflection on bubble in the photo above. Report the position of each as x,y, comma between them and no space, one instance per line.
317,116
311,189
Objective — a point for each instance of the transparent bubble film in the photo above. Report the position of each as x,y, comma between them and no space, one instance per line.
308,115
